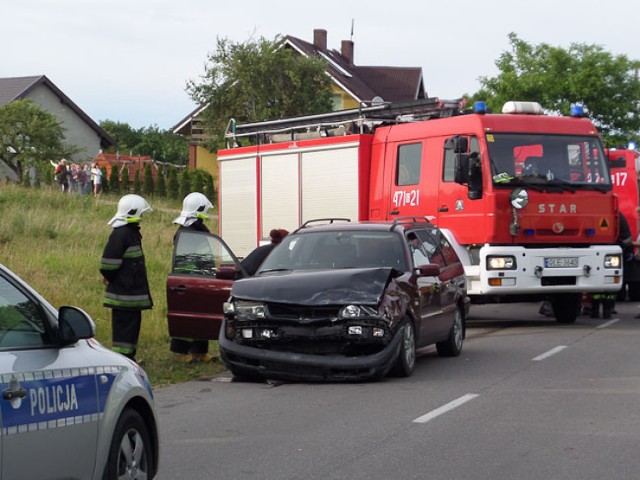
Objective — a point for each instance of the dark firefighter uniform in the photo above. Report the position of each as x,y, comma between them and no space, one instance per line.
127,292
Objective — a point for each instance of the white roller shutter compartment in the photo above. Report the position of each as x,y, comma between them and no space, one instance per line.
279,192
238,215
330,184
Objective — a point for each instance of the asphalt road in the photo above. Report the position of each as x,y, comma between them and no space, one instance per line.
527,399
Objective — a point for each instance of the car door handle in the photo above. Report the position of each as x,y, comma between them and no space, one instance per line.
14,391
179,289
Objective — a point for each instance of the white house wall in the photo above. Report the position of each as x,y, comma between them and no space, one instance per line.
77,132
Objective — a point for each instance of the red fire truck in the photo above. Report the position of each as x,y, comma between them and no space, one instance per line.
624,177
525,198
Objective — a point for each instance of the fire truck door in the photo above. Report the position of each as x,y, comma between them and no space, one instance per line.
405,197
455,210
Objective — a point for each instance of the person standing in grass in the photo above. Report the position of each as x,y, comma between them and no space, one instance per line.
125,275
194,212
96,179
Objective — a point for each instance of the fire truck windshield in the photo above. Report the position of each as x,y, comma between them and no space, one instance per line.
573,161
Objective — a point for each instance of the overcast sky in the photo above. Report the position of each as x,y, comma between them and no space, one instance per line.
129,60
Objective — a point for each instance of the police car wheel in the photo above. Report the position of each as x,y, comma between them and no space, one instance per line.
130,454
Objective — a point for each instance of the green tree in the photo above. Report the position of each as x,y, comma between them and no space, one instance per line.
209,188
137,189
30,136
159,144
125,183
125,136
607,85
105,185
197,180
148,186
258,80
184,183
161,185
114,180
173,188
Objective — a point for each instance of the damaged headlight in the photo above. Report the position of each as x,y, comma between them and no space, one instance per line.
245,310
353,311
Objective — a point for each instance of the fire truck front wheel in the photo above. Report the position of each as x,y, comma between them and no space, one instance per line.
566,306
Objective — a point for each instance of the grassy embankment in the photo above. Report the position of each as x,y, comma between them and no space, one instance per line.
54,241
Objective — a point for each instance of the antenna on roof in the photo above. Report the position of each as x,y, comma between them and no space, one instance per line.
352,20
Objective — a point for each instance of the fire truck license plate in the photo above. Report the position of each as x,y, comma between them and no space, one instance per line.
561,262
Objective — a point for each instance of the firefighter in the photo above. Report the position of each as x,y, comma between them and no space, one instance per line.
125,275
194,212
608,300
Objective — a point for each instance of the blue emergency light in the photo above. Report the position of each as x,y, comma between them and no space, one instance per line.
479,107
632,146
577,110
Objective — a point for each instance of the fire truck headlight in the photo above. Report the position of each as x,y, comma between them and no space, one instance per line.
501,263
612,261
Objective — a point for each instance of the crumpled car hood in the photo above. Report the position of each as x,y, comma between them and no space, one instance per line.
364,286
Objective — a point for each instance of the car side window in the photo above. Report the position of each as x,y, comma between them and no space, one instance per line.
424,249
23,324
447,250
200,254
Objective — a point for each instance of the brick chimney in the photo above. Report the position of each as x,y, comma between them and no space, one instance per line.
320,39
347,51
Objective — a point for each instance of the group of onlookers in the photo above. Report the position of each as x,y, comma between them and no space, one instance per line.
78,178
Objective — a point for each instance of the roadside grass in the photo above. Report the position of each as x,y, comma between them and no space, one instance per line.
54,241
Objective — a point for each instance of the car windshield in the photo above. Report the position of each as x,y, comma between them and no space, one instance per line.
569,160
335,250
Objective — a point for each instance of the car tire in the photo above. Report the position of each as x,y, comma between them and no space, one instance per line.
406,362
130,453
452,346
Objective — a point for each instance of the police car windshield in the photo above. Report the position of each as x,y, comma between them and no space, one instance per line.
561,160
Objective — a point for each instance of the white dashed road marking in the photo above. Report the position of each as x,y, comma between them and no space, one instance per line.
553,351
445,408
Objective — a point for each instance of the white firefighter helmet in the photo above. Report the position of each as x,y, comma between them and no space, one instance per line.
130,210
194,206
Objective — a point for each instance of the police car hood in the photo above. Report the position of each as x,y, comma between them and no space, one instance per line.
364,286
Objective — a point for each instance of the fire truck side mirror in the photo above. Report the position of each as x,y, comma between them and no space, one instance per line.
461,168
475,177
457,144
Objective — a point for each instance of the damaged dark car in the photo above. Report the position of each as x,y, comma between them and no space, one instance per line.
342,301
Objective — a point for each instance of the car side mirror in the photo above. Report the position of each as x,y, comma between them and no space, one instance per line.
429,270
74,324
226,272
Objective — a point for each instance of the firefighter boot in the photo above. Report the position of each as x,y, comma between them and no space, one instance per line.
607,308
203,357
595,308
183,357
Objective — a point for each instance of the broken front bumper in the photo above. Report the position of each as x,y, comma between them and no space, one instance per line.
250,361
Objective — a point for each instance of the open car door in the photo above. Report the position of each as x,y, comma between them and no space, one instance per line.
202,272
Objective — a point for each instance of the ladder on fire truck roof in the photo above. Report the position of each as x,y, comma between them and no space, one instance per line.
358,120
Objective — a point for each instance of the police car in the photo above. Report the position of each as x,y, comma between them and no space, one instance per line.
70,408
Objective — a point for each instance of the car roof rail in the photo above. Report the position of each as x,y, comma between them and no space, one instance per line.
409,219
327,220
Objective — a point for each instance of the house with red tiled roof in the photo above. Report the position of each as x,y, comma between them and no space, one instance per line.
79,129
352,86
